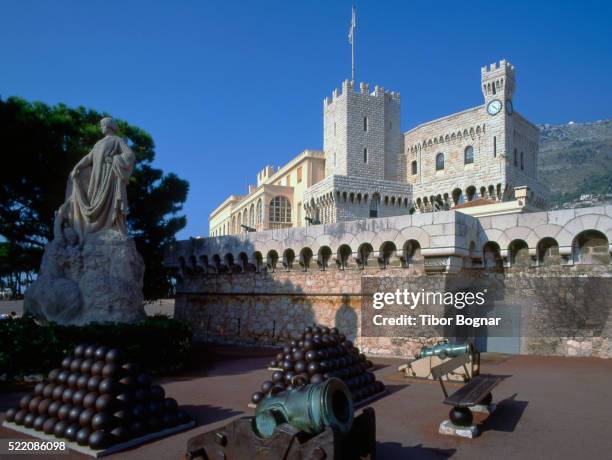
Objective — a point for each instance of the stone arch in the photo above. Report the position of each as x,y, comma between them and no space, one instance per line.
457,194
364,253
470,192
323,257
344,254
491,256
305,258
411,253
547,251
591,247
271,260
518,253
386,253
288,259
258,259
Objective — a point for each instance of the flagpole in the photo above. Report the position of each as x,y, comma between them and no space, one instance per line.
353,46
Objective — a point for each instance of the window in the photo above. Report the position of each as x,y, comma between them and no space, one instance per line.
439,162
494,146
288,181
365,123
414,167
365,155
468,155
515,158
374,205
259,213
299,174
522,161
280,210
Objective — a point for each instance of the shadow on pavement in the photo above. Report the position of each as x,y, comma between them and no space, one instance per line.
394,450
507,415
206,414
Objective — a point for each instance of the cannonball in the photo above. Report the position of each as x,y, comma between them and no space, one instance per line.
103,421
75,365
43,406
144,380
308,345
79,351
93,383
287,365
72,380
154,424
126,398
311,355
334,330
265,386
129,382
62,377
169,419
52,376
293,344
142,395
78,396
461,416
317,330
277,388
111,370
139,412
137,429
287,350
300,380
86,366
20,416
278,376
96,367
104,402
100,353
71,431
154,407
170,405
64,411
28,421
49,425
33,405
74,414
38,389
114,355
341,338
66,362
123,416
48,390
82,382
109,386
290,387
9,416
90,351
132,369
121,432
59,429
289,377
39,420
316,342
86,416
316,378
25,401
298,355
280,357
67,395
300,344
82,436
327,375
182,416
53,408
299,367
325,330
308,336
257,397
273,364
157,392
313,368
98,440
89,400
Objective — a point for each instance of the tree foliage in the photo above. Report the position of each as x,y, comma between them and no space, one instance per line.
40,144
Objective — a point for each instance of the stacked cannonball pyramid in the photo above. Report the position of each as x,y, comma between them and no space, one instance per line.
317,355
97,399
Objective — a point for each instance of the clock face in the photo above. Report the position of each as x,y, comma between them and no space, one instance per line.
494,107
509,107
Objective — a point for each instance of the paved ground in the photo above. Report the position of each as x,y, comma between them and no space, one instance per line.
550,408
163,306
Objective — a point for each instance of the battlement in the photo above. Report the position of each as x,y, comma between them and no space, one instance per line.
348,86
493,69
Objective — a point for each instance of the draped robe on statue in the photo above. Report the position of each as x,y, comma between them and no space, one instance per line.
99,196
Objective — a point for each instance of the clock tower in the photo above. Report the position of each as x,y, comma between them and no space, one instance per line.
498,84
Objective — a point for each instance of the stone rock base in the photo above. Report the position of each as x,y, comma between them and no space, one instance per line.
484,409
98,282
449,428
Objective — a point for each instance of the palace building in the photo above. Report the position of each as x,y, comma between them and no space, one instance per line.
482,160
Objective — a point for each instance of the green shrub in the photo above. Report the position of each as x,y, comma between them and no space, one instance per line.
157,343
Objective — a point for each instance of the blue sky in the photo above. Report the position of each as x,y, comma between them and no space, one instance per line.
226,88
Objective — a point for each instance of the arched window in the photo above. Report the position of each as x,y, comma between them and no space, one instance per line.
515,157
415,167
439,162
280,212
365,123
365,155
522,161
259,213
468,155
252,216
374,205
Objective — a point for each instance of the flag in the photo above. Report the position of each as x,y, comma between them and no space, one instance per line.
351,33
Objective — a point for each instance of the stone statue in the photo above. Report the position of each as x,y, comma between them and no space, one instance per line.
91,270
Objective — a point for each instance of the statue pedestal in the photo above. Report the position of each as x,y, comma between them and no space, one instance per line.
100,282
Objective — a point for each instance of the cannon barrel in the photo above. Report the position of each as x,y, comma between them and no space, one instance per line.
446,350
310,408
